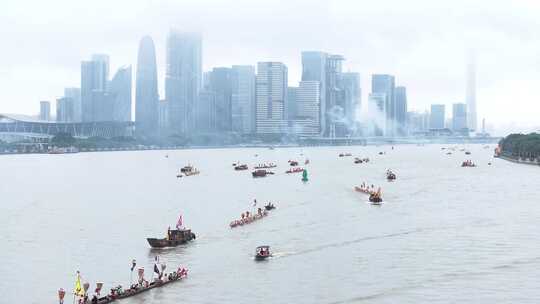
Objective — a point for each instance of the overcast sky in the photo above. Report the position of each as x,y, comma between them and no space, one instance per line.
423,43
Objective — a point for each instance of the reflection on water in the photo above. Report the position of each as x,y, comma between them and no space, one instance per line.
444,234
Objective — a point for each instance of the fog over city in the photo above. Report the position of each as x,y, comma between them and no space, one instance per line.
424,44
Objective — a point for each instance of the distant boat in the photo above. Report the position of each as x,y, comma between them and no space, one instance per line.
174,238
66,150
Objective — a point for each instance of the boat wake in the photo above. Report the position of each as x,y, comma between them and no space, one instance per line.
363,239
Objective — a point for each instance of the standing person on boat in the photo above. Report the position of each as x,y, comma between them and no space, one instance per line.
254,202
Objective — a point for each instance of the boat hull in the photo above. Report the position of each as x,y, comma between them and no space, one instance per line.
164,242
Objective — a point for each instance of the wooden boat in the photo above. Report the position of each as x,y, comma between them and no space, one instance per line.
269,207
180,274
189,170
294,170
390,176
344,154
468,164
261,173
362,190
360,160
375,199
241,167
174,238
293,163
467,153
248,220
265,166
262,253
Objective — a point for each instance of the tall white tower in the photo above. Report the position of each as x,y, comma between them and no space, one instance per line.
471,92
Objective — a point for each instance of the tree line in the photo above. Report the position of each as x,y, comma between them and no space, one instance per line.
521,145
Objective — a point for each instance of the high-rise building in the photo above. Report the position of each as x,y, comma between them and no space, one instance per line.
471,93
103,106
146,90
94,80
120,92
243,99
271,96
459,116
436,117
290,105
221,84
65,109
350,101
101,71
401,110
183,79
75,94
314,67
381,83
418,122
308,103
163,115
44,110
377,110
206,120
335,111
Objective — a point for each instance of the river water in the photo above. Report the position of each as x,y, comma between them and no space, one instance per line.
445,234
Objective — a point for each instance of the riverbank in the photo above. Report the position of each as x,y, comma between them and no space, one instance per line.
41,149
520,160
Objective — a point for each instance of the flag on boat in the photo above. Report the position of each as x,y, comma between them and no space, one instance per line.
179,223
133,264
79,291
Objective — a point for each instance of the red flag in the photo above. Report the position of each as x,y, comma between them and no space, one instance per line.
179,223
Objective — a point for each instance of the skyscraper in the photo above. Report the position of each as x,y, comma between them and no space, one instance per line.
221,84
146,90
290,105
436,117
271,95
75,94
65,110
308,102
243,99
183,79
206,114
350,100
377,110
471,93
401,110
163,117
120,92
381,83
459,116
94,78
44,110
335,111
314,67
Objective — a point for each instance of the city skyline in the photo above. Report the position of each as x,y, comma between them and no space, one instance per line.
437,78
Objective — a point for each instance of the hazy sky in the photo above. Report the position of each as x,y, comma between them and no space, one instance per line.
422,42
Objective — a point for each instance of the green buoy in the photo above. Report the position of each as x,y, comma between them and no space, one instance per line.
304,176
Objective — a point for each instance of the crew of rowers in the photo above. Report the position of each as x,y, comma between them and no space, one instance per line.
390,174
367,189
468,163
264,166
375,197
118,291
358,160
